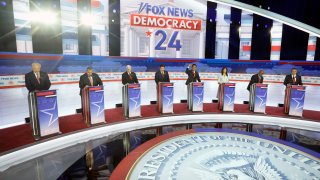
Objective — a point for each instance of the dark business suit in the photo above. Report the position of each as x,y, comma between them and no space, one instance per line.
85,81
255,79
161,78
289,80
192,77
126,79
32,83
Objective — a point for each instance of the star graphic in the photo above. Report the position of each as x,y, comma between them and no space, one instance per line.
168,97
231,97
262,102
299,101
198,96
47,111
101,154
136,106
136,139
148,33
100,110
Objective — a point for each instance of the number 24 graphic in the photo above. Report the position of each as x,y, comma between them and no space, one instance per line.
173,41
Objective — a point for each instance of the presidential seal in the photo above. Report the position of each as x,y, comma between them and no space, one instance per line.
208,154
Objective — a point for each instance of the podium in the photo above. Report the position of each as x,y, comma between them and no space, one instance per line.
131,100
226,96
258,97
294,100
195,96
43,111
93,105
165,97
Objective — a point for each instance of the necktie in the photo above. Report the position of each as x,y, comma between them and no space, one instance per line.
294,79
91,80
194,74
130,76
259,79
38,77
162,74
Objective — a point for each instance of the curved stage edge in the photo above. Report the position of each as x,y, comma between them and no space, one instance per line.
20,146
163,156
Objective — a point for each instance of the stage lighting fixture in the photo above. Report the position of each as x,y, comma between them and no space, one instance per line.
44,17
87,19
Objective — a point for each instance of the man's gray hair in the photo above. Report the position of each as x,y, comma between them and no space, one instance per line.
89,68
35,64
128,66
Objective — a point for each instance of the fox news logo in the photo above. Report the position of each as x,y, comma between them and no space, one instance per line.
165,11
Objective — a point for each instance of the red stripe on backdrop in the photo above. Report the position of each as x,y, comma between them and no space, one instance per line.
246,48
148,79
311,47
275,48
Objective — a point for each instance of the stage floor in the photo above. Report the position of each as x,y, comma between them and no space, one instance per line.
20,136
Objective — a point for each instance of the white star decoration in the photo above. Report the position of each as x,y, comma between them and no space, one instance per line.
45,111
101,154
230,98
169,97
137,140
299,101
100,110
136,106
262,102
198,96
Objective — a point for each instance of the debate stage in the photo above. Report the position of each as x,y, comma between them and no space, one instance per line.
18,137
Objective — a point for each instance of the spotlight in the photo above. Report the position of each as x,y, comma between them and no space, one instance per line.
44,17
3,3
88,19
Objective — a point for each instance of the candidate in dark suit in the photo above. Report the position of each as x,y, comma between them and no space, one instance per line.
257,78
129,77
193,75
162,75
293,78
89,79
37,80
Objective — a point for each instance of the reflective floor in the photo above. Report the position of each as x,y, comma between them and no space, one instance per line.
97,159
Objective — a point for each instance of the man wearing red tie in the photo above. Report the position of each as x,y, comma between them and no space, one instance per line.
193,75
129,77
89,79
37,80
161,75
293,78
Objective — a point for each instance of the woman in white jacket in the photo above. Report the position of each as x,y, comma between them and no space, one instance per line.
223,78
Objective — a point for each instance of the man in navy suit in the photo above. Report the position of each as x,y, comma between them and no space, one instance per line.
129,77
37,80
293,78
193,75
89,79
162,75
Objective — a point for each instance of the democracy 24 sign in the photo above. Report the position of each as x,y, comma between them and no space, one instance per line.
163,28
